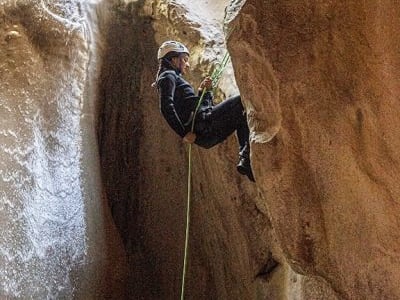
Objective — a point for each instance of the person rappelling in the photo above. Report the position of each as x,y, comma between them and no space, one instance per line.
213,123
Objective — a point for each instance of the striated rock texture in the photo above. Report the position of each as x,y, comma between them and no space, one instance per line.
57,237
326,75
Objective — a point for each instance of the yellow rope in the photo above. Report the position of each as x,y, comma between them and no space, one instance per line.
216,75
189,192
187,222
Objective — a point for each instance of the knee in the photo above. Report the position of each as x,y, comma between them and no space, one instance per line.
236,98
237,102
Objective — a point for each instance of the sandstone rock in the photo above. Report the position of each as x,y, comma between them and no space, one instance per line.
330,174
231,237
12,35
319,83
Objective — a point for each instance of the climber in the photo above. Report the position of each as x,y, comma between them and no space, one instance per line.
178,100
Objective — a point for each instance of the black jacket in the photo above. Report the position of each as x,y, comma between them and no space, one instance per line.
178,101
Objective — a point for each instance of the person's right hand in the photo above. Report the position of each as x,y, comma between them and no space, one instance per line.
189,138
206,83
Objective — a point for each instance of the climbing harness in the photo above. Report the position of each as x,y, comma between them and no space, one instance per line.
215,77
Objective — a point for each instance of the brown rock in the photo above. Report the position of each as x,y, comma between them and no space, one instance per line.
319,82
330,173
12,35
145,173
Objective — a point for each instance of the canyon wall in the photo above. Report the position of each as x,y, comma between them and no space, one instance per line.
145,167
321,83
82,139
232,253
58,240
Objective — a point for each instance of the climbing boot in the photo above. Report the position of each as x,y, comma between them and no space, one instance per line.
244,168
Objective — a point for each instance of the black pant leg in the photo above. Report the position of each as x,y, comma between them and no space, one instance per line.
224,119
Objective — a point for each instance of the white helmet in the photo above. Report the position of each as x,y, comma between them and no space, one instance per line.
171,46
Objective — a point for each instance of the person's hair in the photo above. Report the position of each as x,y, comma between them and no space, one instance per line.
165,64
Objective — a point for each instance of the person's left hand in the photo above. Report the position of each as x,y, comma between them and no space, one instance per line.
189,138
206,83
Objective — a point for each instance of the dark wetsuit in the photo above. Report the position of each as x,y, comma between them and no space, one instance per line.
213,123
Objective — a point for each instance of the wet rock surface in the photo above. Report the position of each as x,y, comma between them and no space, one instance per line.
58,240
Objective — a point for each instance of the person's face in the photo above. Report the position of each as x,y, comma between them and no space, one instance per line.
182,63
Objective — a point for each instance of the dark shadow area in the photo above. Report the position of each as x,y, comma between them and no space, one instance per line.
129,50
267,269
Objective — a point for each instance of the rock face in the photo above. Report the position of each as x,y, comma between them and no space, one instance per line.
150,162
329,84
145,167
58,240
319,84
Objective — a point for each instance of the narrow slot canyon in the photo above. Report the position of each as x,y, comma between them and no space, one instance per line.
94,182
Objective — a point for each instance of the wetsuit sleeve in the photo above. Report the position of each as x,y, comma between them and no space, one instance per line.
166,85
